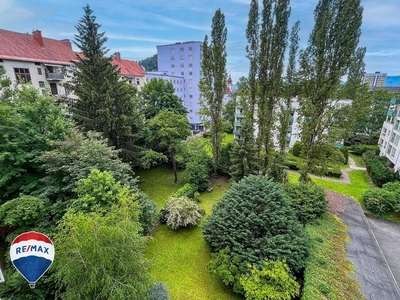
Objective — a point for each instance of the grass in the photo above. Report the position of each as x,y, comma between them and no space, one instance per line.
158,183
328,272
357,159
359,184
180,257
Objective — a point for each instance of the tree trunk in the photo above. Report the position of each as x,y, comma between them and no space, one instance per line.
174,168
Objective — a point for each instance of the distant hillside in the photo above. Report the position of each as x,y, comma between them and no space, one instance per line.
149,64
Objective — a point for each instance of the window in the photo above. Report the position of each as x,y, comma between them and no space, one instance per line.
190,48
39,71
190,73
182,57
53,88
74,68
190,65
22,74
190,88
190,96
137,81
37,63
182,65
172,66
172,50
172,73
174,81
1,60
190,81
191,110
190,56
172,57
190,103
182,49
182,73
41,84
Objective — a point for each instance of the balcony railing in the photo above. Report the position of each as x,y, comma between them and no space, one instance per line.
236,132
291,119
395,101
239,115
236,124
391,113
54,76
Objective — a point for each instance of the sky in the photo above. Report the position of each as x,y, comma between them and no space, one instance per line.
135,28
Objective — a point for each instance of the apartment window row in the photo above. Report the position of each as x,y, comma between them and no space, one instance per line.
182,57
182,49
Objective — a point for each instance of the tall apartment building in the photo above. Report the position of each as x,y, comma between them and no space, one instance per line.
376,79
42,61
184,61
389,140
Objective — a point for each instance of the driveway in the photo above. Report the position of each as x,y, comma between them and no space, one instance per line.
373,270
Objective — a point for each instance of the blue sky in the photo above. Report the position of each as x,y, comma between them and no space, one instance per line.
135,28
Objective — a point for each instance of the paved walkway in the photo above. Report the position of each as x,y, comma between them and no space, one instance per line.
370,264
345,179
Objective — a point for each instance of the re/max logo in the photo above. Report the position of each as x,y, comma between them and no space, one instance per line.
31,248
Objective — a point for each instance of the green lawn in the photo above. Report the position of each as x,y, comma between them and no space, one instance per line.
180,256
158,183
359,184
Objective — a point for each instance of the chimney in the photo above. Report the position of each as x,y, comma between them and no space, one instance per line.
67,42
118,56
37,35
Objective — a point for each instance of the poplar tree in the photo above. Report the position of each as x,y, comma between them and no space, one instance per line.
273,36
105,103
213,84
328,57
278,170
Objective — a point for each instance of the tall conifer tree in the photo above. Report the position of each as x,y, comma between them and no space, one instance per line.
213,84
328,57
105,103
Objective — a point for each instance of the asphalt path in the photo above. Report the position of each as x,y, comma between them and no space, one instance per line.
372,268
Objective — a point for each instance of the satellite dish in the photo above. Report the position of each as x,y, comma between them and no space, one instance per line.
32,254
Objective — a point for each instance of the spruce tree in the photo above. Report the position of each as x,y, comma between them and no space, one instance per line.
105,103
255,221
328,57
213,84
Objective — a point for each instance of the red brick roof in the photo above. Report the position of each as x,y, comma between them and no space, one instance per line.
23,46
128,67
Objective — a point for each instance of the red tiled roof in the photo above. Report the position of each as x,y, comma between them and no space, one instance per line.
128,67
23,46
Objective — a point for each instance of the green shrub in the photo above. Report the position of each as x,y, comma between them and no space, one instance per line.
379,171
158,291
224,162
292,165
379,201
367,155
345,152
394,187
297,149
307,200
181,212
188,190
334,172
360,149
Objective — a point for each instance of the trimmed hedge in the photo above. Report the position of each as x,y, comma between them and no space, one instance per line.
360,149
379,171
188,190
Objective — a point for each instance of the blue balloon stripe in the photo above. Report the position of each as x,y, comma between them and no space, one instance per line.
32,267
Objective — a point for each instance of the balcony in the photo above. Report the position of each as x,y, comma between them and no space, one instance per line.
239,106
236,132
288,138
236,124
391,113
54,76
395,101
239,115
291,119
289,129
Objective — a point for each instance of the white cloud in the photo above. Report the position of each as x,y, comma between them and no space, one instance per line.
183,24
112,36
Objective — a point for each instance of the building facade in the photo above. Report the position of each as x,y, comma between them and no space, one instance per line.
130,71
41,61
389,140
184,60
373,80
177,81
